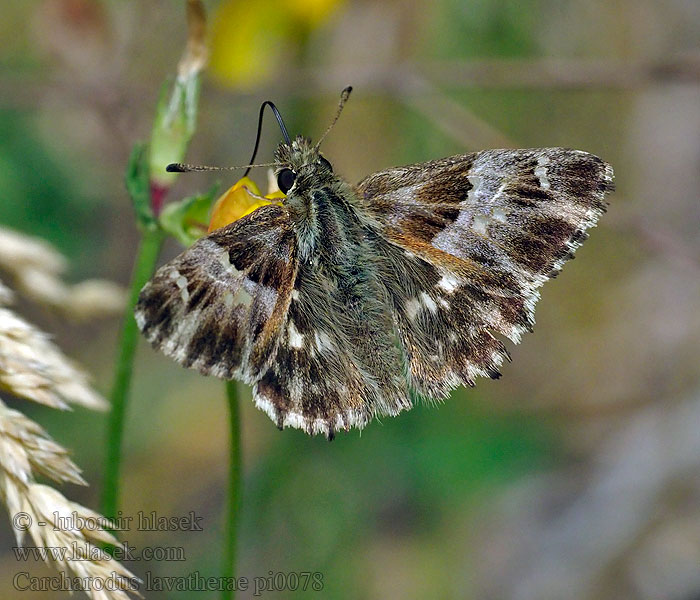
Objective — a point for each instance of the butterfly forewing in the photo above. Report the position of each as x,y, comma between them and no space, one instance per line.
219,307
480,233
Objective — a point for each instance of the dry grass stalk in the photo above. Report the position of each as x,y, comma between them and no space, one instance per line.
26,449
32,367
35,268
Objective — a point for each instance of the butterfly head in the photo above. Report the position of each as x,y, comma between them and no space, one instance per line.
299,165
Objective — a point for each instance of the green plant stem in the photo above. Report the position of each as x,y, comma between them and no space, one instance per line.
145,264
228,568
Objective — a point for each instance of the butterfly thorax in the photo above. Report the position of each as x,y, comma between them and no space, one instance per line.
323,207
332,231
338,282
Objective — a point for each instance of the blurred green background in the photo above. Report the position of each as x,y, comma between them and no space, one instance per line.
577,474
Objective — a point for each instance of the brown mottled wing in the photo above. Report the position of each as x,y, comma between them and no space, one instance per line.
220,305
338,364
471,238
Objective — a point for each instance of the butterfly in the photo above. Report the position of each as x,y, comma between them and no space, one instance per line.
346,303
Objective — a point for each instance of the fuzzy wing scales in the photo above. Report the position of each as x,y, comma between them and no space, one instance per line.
219,306
473,237
338,363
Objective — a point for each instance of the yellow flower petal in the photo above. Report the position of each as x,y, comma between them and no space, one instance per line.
313,12
252,41
247,42
238,201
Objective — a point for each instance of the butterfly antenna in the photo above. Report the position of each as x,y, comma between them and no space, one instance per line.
184,168
344,95
278,116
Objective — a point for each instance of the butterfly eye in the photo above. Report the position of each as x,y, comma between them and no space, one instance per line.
322,161
286,179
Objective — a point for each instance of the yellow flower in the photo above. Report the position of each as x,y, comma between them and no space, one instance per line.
251,41
238,201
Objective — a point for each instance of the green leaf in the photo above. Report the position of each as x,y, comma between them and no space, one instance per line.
138,186
186,220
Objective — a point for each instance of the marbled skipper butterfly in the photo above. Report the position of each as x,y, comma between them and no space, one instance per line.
349,302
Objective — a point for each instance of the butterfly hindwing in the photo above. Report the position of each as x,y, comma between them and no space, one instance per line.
219,306
471,239
442,325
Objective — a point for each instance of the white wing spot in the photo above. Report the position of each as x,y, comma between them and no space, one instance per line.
448,283
412,308
482,220
228,299
323,341
242,297
295,294
181,282
480,223
428,302
475,181
225,262
414,305
499,214
296,339
541,172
